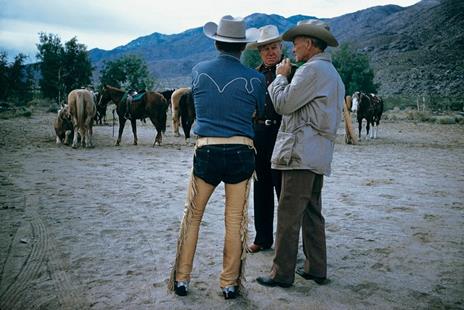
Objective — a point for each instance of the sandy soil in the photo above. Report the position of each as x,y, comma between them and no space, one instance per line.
97,228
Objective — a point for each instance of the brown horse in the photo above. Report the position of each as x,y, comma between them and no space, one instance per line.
149,104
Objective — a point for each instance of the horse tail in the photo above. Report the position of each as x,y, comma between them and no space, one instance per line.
175,102
80,109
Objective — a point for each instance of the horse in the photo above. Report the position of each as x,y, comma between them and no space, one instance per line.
175,100
167,94
147,104
81,107
369,107
63,126
100,116
187,113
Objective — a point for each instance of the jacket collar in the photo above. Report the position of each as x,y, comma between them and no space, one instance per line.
321,56
235,56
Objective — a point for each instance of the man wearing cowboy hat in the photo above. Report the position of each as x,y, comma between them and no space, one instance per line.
311,107
226,96
269,45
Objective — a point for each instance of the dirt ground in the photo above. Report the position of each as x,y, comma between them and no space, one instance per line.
97,228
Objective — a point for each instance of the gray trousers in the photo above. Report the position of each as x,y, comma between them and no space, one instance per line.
300,205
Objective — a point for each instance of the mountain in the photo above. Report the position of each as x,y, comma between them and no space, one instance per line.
415,50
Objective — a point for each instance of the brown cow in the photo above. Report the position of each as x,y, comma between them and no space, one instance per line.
63,126
82,109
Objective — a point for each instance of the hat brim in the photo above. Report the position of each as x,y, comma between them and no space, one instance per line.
311,31
257,44
210,30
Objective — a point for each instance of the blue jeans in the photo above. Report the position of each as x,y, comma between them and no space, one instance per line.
229,163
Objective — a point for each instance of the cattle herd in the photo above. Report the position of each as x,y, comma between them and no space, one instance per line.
75,119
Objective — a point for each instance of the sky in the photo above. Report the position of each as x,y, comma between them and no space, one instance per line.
107,24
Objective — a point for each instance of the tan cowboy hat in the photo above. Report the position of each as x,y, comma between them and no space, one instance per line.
267,34
311,28
230,30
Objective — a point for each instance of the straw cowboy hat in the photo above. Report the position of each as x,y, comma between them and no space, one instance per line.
267,34
230,30
312,28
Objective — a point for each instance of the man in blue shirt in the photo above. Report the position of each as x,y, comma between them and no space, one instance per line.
226,96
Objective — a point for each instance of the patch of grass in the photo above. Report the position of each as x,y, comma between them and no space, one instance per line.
424,102
421,116
444,119
14,112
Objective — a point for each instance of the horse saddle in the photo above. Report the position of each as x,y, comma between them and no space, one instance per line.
138,97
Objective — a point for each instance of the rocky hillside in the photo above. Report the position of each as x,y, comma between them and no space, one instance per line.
415,50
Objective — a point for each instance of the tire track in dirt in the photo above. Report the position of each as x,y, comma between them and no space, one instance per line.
12,296
68,295
44,254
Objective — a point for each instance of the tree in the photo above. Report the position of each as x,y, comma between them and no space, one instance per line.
50,56
127,72
76,64
3,75
354,70
20,80
15,79
63,68
251,58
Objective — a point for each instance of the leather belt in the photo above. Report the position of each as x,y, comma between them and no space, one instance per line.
267,122
220,140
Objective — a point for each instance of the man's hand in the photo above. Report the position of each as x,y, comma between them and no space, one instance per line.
284,67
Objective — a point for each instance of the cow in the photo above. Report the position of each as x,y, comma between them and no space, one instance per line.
82,109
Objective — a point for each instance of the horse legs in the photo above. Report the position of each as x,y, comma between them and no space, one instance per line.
368,126
76,131
122,122
158,127
186,126
376,128
88,132
134,130
175,120
158,138
359,128
88,138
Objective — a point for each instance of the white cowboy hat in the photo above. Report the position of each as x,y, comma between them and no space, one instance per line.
230,30
267,34
312,28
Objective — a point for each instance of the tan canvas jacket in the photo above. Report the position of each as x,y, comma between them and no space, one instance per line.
311,107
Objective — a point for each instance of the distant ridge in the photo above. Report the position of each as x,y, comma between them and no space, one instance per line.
413,50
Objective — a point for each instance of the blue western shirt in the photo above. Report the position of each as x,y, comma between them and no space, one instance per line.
226,95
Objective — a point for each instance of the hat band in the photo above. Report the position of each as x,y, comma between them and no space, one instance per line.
230,37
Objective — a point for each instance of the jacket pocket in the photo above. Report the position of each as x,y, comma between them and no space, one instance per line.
283,148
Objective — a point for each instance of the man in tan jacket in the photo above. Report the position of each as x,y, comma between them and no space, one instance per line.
311,106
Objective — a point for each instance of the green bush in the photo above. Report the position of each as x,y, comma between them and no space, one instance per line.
16,112
444,119
424,103
421,116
